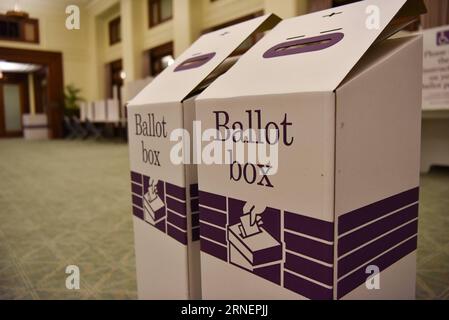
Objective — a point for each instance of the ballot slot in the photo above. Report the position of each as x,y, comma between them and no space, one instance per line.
195,62
304,45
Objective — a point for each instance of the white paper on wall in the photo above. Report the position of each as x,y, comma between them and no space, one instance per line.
436,69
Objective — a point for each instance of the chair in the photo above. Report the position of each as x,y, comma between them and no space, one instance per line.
78,126
70,129
93,130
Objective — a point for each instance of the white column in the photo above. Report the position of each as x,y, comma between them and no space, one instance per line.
31,96
186,23
286,8
131,13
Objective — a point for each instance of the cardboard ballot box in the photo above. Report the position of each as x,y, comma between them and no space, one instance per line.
165,193
35,127
343,102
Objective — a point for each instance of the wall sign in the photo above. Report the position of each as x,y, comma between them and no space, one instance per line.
436,69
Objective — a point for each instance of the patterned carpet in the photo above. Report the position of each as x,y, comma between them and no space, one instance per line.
64,203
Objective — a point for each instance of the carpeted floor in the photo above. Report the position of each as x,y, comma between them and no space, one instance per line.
68,203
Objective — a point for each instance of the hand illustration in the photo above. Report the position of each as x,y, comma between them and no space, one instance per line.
251,220
152,191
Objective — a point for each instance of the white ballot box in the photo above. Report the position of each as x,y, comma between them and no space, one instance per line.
84,106
112,111
330,108
35,127
99,111
165,191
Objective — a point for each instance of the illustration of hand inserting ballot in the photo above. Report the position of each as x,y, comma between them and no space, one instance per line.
250,245
153,204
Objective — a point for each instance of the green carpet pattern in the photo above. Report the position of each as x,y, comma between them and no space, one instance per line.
68,203
65,203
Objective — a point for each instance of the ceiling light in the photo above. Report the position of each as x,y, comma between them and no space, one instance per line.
17,13
7,66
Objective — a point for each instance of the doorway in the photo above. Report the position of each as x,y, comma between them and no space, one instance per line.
14,103
50,102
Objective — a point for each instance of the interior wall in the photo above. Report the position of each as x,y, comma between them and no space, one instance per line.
218,12
437,15
108,53
55,37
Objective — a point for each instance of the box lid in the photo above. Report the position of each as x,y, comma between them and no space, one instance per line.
314,52
197,62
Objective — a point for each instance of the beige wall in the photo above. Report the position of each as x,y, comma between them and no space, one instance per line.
87,51
55,37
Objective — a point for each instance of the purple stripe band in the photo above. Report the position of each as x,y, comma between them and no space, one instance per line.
161,226
137,201
376,229
175,191
177,234
195,220
306,288
357,278
309,226
310,248
268,255
177,220
194,205
214,249
271,273
212,200
213,233
361,256
136,188
196,234
138,212
136,177
193,190
213,217
309,269
376,210
176,206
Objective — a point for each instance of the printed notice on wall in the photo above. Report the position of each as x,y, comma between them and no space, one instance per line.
436,69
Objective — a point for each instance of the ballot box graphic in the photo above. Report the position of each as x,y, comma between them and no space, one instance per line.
260,249
163,205
221,236
153,205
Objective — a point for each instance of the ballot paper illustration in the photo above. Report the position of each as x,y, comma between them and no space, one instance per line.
153,204
250,244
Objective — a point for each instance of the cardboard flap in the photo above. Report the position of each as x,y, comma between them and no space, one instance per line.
310,53
408,14
201,59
